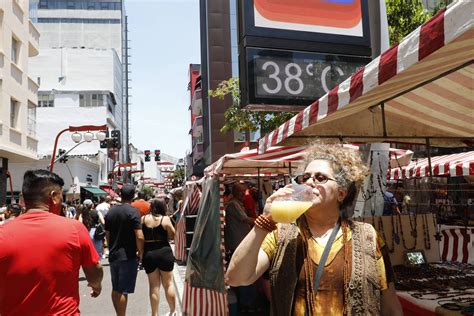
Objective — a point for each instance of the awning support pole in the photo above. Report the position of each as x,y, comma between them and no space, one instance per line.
428,154
384,123
259,192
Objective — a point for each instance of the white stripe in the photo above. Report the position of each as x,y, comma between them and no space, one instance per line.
280,134
441,169
449,256
291,125
370,78
261,145
465,168
323,107
460,243
407,54
306,117
343,93
422,171
458,19
470,247
452,169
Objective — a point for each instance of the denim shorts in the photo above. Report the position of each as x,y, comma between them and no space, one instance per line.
124,275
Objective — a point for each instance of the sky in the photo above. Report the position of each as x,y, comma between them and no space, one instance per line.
164,40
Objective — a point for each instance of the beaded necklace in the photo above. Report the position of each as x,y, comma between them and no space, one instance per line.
381,229
403,237
395,232
413,224
426,232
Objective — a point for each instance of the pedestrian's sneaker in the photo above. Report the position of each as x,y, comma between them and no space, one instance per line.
172,314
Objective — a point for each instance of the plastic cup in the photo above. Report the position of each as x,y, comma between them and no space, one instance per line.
288,209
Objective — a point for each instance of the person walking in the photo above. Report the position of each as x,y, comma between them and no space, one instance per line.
125,239
158,259
93,219
104,205
41,254
12,212
141,204
303,282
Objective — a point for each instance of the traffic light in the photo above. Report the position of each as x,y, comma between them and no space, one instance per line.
116,140
62,158
147,155
157,155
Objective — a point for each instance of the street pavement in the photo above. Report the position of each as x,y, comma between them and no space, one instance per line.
138,302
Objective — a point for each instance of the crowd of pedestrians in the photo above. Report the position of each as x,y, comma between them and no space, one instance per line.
135,232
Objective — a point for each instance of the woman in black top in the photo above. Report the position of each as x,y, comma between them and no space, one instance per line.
158,259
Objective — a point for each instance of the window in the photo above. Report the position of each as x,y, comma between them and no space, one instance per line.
43,4
70,5
14,108
45,100
31,124
15,50
91,100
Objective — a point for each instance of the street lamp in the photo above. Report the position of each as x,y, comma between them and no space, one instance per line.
76,136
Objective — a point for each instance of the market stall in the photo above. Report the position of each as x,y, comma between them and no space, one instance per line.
205,292
418,92
420,89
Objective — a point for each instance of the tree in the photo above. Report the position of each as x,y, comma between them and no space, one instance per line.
242,120
403,17
147,191
178,176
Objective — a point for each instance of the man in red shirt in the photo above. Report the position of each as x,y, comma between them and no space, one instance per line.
141,205
41,253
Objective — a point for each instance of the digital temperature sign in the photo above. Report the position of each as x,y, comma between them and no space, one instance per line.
281,78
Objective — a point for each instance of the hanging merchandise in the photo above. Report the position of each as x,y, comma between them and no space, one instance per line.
402,235
426,231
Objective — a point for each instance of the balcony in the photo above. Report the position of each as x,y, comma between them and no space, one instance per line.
197,128
33,91
33,43
198,152
196,103
18,10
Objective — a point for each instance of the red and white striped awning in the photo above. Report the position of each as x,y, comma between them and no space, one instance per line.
425,85
461,164
276,160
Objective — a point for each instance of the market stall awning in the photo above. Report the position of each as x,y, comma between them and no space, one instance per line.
461,164
277,160
109,191
95,191
421,88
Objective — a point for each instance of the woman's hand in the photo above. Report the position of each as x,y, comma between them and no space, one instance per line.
280,193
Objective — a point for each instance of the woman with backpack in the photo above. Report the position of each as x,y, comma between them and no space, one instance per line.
94,222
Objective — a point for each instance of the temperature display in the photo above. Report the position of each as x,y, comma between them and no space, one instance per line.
286,78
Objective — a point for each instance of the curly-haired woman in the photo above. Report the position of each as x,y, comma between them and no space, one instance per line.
352,278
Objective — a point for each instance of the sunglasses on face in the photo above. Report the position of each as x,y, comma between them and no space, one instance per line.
318,178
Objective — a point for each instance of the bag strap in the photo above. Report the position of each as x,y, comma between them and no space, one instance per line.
324,257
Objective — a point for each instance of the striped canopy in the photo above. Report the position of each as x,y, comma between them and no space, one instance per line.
421,88
453,165
277,160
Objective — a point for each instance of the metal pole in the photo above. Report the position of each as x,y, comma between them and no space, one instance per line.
384,123
51,166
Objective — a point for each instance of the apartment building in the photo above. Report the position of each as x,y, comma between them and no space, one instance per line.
19,40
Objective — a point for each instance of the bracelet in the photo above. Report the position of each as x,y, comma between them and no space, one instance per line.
265,223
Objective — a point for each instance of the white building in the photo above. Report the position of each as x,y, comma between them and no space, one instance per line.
81,72
18,91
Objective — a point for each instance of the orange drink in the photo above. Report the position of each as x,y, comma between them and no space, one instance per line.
288,211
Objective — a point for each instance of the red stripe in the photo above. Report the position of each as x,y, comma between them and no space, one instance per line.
275,137
388,64
432,35
313,112
471,167
285,130
459,169
333,100
455,245
298,122
357,84
444,256
465,242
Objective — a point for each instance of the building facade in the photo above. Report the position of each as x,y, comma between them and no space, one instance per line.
19,40
82,69
217,35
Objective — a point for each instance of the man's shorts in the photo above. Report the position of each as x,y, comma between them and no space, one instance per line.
124,275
